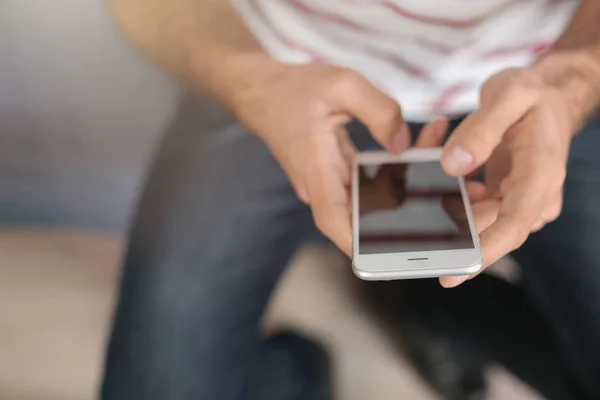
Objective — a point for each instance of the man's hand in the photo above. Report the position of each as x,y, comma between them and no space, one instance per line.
300,113
522,132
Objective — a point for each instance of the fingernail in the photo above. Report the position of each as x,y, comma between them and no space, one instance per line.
401,139
453,281
457,160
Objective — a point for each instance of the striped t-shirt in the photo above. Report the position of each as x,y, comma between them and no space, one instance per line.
432,56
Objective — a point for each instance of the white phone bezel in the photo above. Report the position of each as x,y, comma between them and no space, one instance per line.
403,265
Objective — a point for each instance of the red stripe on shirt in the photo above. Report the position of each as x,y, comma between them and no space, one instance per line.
258,10
395,59
535,49
358,27
438,21
441,103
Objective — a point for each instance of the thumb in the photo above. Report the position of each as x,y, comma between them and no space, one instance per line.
474,140
472,143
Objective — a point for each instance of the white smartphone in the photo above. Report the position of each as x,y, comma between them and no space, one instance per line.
410,219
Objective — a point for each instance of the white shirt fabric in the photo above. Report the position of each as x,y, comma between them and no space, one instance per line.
432,56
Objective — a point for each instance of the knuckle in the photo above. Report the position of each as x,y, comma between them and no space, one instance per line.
320,151
512,89
518,92
538,226
550,179
301,192
293,170
522,232
477,139
478,135
560,175
303,197
345,80
496,85
554,214
387,119
511,85
390,112
317,103
524,88
349,77
318,221
321,221
554,211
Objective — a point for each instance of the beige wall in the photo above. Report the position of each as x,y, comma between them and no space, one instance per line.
80,110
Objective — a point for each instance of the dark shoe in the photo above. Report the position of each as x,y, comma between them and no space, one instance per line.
454,374
449,365
293,368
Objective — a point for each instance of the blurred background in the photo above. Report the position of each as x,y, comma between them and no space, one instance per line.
80,112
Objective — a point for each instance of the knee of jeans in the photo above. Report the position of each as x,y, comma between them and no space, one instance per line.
175,305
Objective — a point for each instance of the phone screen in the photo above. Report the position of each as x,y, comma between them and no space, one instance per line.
410,207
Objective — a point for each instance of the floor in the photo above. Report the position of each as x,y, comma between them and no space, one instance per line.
57,289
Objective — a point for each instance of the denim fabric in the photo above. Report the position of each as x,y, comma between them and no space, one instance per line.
216,225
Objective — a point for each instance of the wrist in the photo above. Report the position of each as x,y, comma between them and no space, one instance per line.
247,94
576,76
235,77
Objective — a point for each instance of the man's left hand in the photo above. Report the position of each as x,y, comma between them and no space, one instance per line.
522,133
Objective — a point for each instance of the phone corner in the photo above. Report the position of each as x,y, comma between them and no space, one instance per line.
475,268
361,274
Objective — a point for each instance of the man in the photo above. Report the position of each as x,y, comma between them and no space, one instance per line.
223,210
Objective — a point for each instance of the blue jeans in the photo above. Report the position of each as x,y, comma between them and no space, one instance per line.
216,225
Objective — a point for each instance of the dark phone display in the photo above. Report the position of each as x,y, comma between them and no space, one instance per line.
410,208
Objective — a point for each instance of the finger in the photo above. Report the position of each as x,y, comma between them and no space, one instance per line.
519,210
455,207
355,95
474,140
329,196
474,174
550,213
346,146
519,214
553,209
476,190
300,189
348,153
538,225
485,213
433,134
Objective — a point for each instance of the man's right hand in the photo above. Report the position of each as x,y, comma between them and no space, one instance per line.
300,113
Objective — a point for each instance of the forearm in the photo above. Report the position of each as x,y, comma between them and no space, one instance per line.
202,42
573,65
